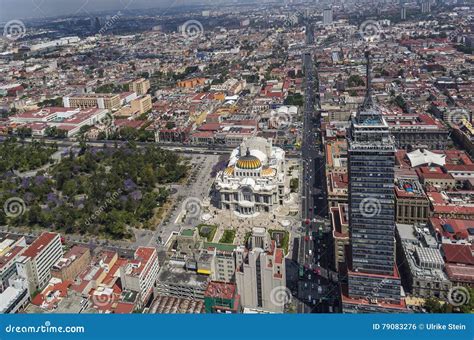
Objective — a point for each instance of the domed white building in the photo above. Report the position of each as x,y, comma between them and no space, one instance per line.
254,180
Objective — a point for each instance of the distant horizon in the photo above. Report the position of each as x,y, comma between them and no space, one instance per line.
43,9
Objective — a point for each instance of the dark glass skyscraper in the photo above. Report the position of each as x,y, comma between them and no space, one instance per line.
371,195
372,273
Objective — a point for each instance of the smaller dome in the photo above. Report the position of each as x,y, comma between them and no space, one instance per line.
268,172
229,171
248,162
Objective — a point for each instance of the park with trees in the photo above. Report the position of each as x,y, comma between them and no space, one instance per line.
94,191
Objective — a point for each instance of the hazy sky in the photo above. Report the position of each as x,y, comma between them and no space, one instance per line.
21,9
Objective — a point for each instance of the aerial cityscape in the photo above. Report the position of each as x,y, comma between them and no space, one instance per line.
295,156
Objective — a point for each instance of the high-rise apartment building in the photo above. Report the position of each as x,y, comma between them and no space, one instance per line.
327,16
36,261
426,6
403,13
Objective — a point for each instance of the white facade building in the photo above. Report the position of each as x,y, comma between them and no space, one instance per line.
37,260
254,180
260,274
141,273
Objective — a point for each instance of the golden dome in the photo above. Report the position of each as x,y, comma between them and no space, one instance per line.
248,162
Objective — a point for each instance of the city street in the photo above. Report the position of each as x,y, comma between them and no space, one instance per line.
314,246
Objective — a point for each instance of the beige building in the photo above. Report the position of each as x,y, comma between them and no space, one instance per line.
260,274
72,264
411,204
99,100
141,104
336,172
139,86
340,232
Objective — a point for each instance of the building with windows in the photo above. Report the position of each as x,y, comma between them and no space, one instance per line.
141,104
108,101
139,86
72,264
340,232
373,279
221,297
254,180
261,273
421,262
15,297
36,261
141,273
11,248
327,16
412,204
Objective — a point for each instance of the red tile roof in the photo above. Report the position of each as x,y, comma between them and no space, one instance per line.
460,272
220,290
458,253
39,244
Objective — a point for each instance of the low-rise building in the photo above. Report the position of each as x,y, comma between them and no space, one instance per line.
411,203
141,273
141,104
340,232
15,297
139,86
254,180
72,263
221,297
421,262
176,281
11,248
93,100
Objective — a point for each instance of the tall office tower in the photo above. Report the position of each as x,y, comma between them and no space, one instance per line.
373,279
327,16
425,6
403,14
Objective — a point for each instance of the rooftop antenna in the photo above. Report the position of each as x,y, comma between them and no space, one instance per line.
368,102
368,75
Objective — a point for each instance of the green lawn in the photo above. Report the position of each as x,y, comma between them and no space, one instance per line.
228,236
